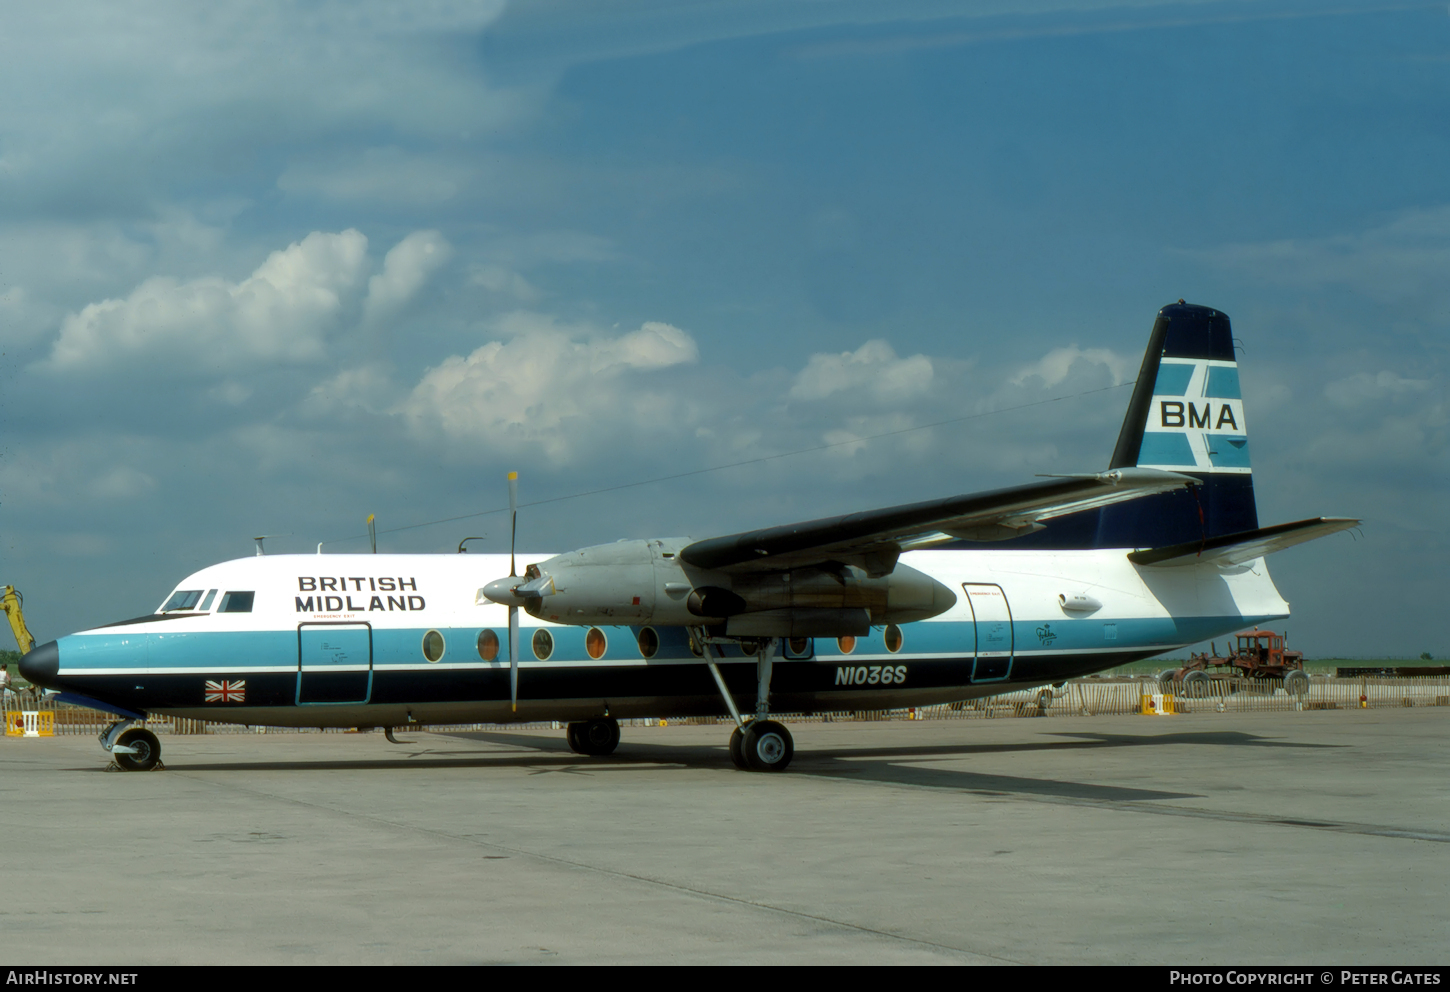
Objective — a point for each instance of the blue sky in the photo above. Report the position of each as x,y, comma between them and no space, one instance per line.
268,268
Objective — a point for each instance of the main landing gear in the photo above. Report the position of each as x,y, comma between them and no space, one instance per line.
596,738
757,745
761,746
133,749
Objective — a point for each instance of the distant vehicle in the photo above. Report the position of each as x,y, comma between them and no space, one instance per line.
1259,654
913,605
13,604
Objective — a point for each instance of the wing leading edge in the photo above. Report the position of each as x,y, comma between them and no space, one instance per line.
875,538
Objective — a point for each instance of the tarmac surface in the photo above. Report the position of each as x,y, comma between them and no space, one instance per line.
1262,838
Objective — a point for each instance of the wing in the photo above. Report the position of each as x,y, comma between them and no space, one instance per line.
1235,549
874,539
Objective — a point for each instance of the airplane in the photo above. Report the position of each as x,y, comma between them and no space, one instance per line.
914,605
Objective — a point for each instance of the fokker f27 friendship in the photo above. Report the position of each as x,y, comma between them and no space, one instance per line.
911,605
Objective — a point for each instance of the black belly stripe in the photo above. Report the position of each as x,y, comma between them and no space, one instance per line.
814,680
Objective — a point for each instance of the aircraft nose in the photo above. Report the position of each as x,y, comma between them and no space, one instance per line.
41,665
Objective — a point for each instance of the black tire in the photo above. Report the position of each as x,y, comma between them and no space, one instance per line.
598,738
1196,684
148,750
737,749
768,746
1296,683
571,734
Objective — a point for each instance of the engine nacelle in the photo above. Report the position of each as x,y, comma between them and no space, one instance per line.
644,582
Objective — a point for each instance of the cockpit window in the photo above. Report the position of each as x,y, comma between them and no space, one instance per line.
206,603
237,602
182,599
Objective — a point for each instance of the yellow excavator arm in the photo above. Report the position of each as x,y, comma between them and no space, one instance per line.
13,602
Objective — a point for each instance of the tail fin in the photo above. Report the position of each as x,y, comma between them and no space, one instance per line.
1187,416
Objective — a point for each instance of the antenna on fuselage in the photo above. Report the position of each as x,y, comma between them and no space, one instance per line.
261,553
462,549
372,533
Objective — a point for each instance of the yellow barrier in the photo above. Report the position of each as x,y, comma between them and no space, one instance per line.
29,723
1155,704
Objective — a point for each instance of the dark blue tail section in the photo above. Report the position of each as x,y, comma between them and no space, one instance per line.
1187,416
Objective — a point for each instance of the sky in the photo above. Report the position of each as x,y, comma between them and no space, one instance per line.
268,268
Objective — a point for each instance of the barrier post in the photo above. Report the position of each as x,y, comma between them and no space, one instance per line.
1155,704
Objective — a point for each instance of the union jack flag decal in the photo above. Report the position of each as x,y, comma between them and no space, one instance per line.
226,692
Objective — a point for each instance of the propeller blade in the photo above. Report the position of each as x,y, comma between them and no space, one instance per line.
514,657
513,518
513,610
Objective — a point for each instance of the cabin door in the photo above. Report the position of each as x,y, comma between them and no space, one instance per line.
993,619
334,662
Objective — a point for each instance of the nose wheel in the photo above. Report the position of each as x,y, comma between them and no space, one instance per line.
142,751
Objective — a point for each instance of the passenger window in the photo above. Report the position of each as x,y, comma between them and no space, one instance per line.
182,599
206,603
237,602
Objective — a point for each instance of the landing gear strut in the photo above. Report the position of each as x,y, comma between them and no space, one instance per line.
596,738
760,744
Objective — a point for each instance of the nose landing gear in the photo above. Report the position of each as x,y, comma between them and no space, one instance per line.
133,749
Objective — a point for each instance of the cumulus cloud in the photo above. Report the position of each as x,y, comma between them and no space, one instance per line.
504,281
1366,389
559,387
871,370
1054,367
405,269
280,313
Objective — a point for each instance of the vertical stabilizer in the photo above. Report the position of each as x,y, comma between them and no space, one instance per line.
1186,415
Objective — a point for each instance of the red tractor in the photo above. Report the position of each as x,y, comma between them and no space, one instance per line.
1260,654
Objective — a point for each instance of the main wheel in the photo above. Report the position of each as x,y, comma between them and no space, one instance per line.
1296,683
571,734
767,745
598,738
148,750
737,750
1166,678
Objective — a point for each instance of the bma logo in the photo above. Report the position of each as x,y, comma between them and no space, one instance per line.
1171,414
1046,634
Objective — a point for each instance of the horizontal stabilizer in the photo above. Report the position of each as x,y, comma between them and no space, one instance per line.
1235,549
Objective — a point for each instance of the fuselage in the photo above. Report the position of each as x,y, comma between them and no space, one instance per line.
385,640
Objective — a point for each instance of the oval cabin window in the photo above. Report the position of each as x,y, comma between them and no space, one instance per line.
433,645
487,645
543,644
893,638
595,643
649,642
847,644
